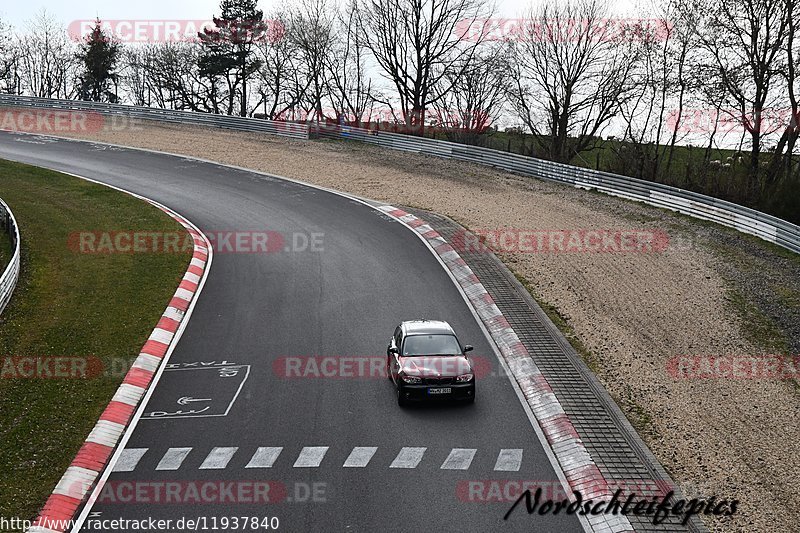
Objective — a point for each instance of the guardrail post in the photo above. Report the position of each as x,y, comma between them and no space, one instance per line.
9,277
744,219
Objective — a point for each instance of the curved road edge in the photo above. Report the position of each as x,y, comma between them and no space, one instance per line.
9,276
566,451
555,430
89,469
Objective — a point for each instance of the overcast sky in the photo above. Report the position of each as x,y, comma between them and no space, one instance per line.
17,12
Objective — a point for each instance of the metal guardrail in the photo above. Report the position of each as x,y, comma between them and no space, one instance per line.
273,127
690,203
744,219
9,278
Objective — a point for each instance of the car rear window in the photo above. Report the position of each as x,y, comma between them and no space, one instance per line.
431,345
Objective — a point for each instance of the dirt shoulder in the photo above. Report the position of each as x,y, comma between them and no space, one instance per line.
711,292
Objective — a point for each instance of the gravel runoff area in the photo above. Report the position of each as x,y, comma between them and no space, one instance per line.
711,292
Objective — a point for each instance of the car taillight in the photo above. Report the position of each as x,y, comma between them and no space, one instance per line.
464,378
410,379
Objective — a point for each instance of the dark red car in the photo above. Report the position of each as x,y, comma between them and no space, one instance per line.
425,361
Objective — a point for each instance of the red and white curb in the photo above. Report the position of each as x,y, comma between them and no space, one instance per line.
82,475
581,472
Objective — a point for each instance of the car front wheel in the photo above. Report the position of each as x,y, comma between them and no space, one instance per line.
401,401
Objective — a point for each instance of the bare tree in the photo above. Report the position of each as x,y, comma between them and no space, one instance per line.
350,87
135,75
680,40
312,29
280,83
572,75
421,45
744,43
474,101
8,60
653,116
176,82
46,59
781,164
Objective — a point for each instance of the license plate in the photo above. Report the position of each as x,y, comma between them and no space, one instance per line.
446,390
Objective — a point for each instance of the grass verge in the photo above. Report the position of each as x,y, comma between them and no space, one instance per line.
70,304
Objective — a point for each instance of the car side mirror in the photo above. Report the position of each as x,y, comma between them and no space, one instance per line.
394,350
468,348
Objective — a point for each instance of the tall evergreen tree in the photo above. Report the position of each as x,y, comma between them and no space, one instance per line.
229,46
99,55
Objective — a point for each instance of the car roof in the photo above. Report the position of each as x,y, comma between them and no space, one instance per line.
426,327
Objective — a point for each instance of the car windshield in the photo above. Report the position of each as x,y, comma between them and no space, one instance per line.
431,345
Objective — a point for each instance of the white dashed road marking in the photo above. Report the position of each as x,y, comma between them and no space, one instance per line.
360,457
218,458
173,459
509,460
129,459
459,459
264,457
311,457
408,458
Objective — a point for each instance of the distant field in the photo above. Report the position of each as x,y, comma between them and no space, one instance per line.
687,170
96,307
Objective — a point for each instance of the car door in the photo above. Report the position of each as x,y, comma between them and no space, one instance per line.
392,363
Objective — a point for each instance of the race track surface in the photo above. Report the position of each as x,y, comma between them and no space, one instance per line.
240,419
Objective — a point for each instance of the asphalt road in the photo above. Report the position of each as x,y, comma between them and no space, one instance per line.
344,298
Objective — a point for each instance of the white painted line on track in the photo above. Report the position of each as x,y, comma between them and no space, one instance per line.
360,456
408,458
218,458
129,459
459,459
311,457
372,205
509,460
264,457
173,459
